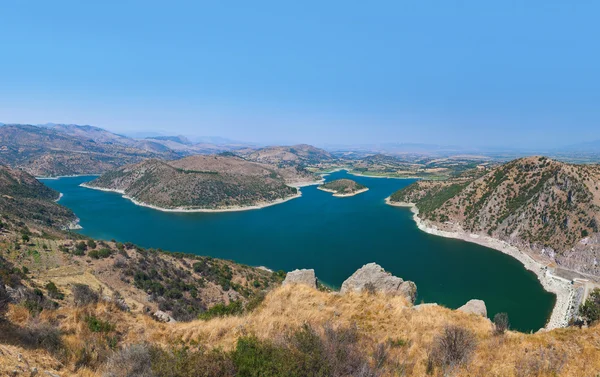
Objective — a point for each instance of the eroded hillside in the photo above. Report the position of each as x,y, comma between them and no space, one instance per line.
550,207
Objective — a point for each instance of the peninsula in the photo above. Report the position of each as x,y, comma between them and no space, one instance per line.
343,188
204,183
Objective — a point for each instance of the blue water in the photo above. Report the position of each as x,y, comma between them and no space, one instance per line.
335,236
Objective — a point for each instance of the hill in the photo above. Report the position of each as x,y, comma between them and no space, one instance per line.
217,182
301,154
343,187
24,198
56,150
549,208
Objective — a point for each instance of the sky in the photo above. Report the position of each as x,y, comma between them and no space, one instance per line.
470,73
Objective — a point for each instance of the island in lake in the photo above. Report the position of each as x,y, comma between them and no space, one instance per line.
205,183
343,187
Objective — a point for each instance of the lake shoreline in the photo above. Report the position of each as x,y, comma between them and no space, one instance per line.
343,195
561,287
207,210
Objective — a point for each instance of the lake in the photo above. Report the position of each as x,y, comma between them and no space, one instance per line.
335,236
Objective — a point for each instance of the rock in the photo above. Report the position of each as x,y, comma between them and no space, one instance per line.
423,306
474,307
408,289
161,316
373,277
306,277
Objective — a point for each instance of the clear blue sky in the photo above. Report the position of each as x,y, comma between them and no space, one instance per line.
516,73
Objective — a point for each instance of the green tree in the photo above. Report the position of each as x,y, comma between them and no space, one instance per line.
590,310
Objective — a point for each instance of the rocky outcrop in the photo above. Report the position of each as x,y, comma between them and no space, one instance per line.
306,277
161,316
372,277
474,307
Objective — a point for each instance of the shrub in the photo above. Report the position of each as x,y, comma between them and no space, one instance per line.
95,324
452,348
100,254
590,310
83,295
91,244
501,323
4,300
53,291
131,361
42,335
222,310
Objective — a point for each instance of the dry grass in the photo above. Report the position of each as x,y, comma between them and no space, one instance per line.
562,352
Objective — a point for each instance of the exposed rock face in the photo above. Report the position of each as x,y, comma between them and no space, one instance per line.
161,316
373,277
474,307
306,277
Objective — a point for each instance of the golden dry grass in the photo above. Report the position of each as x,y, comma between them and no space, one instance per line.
570,352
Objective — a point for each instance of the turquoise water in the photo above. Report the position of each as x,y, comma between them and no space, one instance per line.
335,236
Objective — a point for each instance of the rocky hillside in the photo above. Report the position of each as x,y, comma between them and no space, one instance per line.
294,155
370,329
200,182
24,198
549,207
67,149
343,187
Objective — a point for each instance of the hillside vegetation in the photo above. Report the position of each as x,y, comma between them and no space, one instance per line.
343,187
199,182
73,306
550,207
24,198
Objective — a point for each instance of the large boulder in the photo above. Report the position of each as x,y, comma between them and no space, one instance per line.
372,277
474,307
306,277
161,316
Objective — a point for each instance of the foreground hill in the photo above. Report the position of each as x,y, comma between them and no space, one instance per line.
24,198
343,187
301,154
549,208
203,182
68,149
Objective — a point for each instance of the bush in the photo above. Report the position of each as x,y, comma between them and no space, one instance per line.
501,323
42,335
453,348
91,244
222,310
95,324
4,300
83,295
54,292
131,361
100,254
590,310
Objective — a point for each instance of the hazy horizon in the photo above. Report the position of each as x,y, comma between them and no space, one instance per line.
472,75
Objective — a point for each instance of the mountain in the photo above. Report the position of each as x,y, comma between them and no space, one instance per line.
302,154
550,209
177,139
24,198
67,149
202,182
